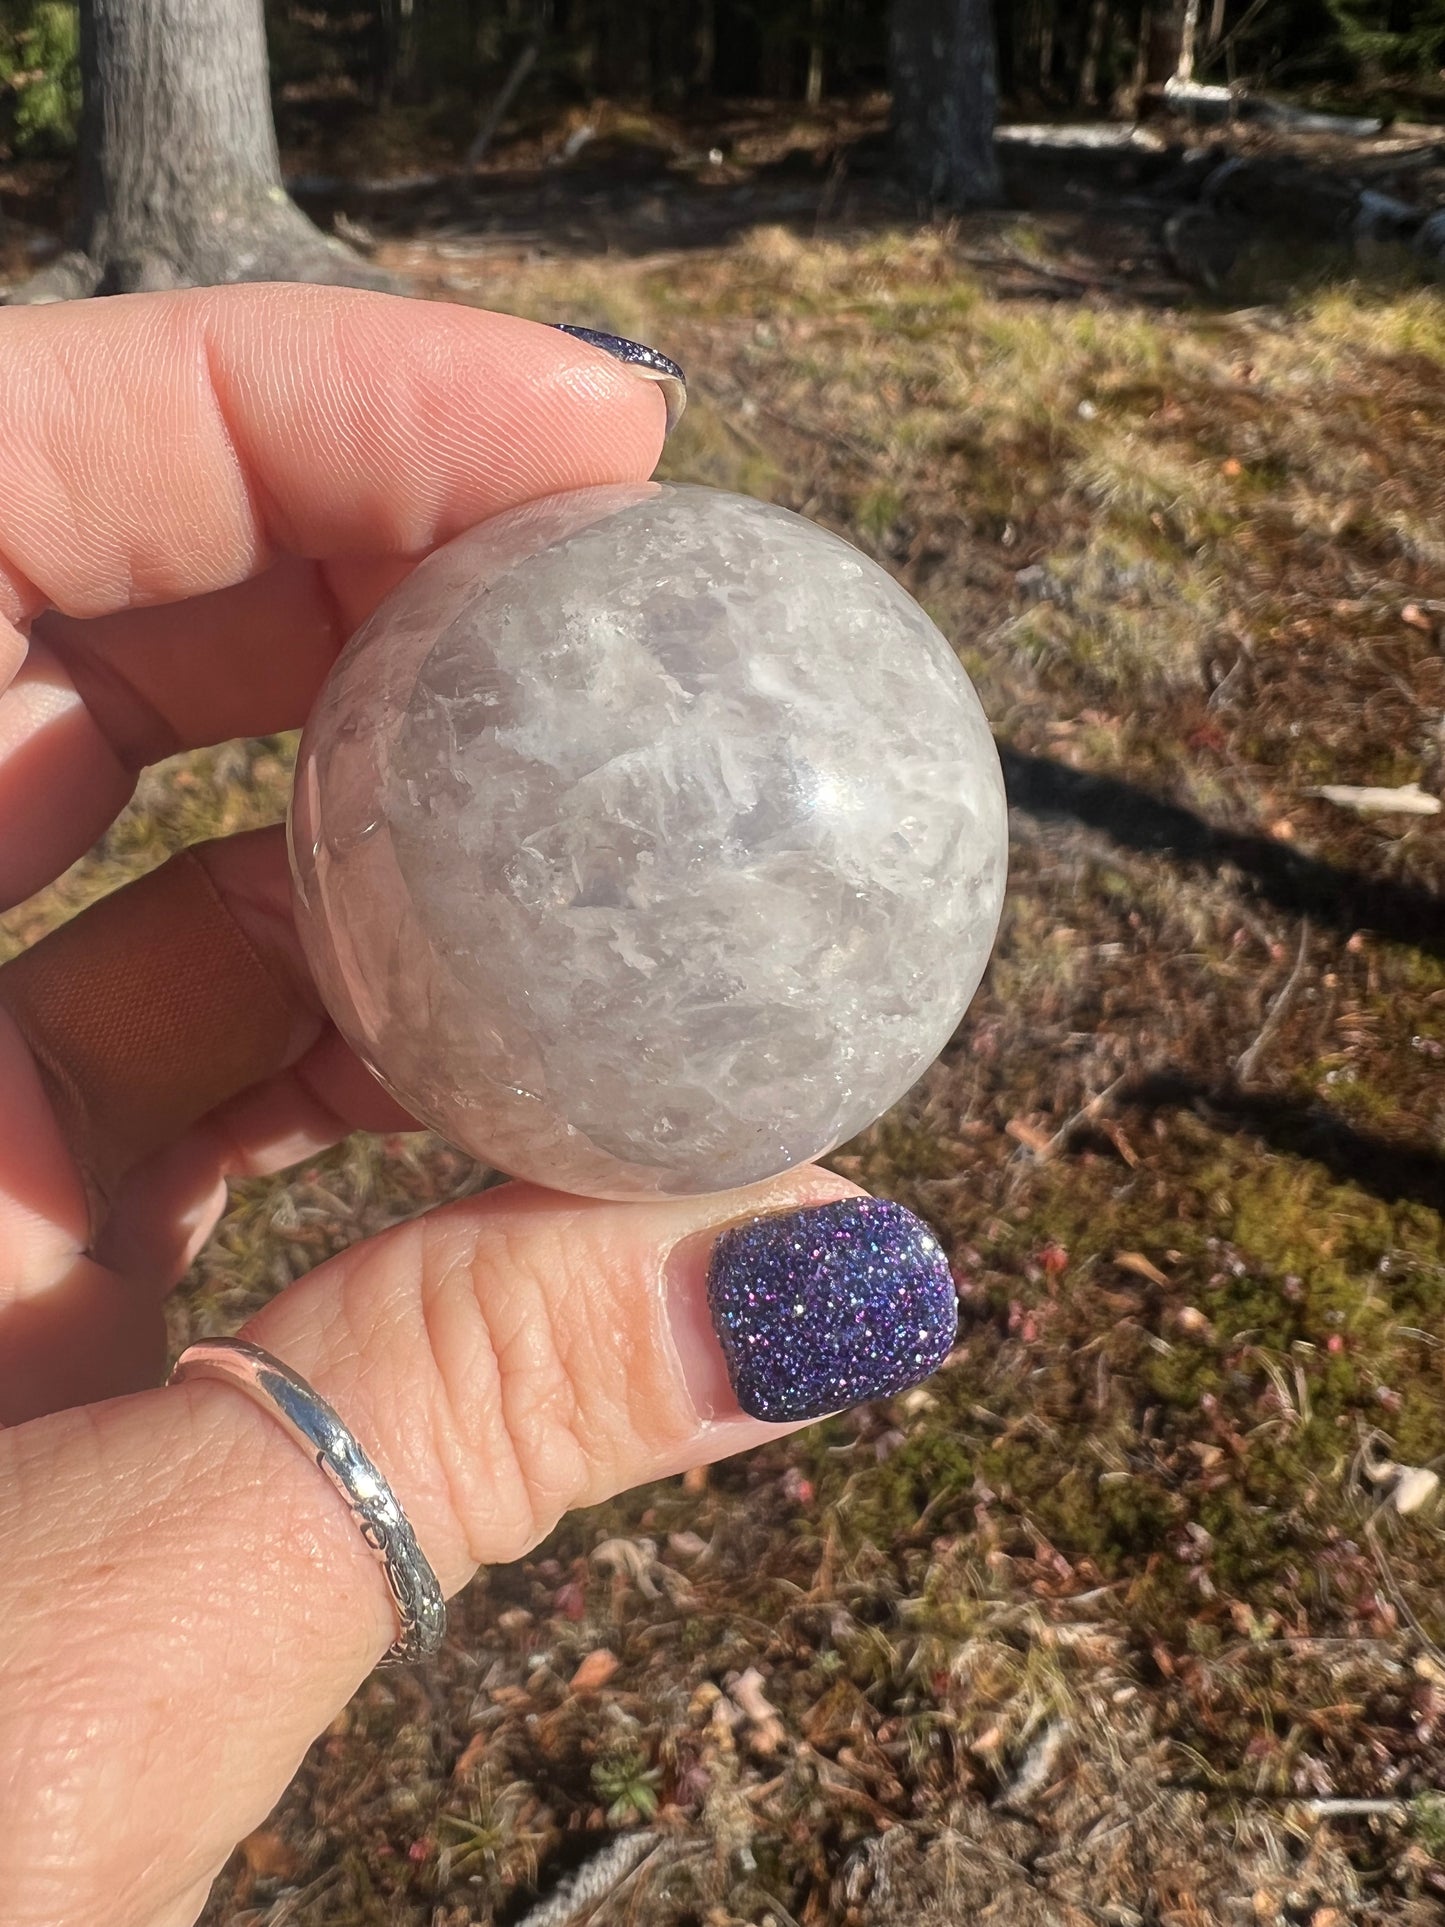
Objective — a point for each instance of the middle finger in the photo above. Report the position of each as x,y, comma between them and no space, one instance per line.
99,699
156,1005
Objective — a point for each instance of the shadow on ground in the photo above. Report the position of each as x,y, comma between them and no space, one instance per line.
1290,880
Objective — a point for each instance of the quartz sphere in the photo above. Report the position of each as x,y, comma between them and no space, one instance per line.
647,840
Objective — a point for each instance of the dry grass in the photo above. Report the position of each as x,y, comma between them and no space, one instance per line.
1088,1629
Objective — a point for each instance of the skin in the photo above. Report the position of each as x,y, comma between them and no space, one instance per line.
201,495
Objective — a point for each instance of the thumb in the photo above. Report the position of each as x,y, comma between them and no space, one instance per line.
185,1598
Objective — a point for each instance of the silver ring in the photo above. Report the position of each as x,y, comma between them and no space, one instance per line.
420,1609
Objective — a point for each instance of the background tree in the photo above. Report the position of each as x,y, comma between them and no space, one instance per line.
945,99
1172,42
180,178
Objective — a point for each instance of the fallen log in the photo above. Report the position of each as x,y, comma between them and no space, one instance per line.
1222,106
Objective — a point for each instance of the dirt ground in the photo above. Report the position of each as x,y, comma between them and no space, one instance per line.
1136,1612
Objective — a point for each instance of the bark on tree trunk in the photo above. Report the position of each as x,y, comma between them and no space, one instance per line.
945,99
813,86
704,46
1047,26
180,177
1164,42
1098,20
1189,33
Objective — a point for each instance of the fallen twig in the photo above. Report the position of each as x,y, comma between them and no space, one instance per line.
1085,1114
1247,1062
1407,799
1355,1809
594,1882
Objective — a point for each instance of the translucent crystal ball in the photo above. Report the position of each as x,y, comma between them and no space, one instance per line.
648,840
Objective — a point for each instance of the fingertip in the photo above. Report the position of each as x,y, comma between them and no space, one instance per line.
829,1305
448,414
646,362
525,1351
687,1273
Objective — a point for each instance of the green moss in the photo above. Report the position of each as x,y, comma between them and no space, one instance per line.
1281,1260
1388,320
917,313
877,510
1427,1820
901,1149
1419,970
40,67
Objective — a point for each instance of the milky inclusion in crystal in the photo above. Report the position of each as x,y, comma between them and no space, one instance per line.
648,840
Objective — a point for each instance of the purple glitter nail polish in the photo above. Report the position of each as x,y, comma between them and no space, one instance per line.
642,360
821,1308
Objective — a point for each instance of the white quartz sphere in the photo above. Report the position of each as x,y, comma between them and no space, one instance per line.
648,840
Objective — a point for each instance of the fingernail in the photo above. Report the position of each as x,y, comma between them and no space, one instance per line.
642,360
818,1309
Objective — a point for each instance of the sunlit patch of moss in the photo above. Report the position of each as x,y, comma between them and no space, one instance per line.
1128,611
188,799
1427,1820
877,512
1309,1318
1143,484
1421,971
1355,318
920,313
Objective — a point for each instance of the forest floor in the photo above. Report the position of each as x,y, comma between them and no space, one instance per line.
1136,1612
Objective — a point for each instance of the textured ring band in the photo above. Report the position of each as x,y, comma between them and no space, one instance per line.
420,1609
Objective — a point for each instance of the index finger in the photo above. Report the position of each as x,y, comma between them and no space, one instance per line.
156,447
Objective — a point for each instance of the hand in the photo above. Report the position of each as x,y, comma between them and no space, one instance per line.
201,495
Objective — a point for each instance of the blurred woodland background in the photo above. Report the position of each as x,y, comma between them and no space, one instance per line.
441,64
1135,1613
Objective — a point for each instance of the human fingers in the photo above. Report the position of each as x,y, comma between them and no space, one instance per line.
132,1022
81,1319
187,1603
167,1205
163,448
162,1000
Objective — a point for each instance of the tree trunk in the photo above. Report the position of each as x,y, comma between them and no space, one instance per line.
1163,41
704,43
180,178
1098,20
1141,53
399,36
1189,34
945,99
1047,25
813,86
